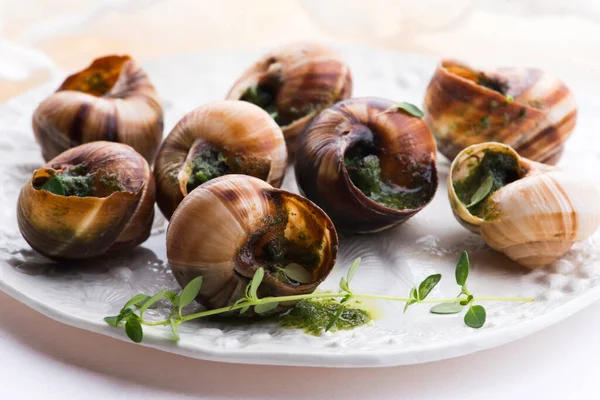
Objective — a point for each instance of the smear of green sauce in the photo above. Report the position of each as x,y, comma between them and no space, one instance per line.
502,168
208,164
313,316
364,169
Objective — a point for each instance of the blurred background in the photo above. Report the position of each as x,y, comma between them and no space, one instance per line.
42,38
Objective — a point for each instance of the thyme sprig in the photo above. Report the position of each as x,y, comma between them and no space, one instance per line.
131,316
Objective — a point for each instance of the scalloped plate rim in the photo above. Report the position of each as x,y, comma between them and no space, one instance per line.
156,337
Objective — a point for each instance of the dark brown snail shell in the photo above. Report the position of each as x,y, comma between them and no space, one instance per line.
405,151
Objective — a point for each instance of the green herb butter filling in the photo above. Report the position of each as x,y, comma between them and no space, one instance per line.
495,170
314,315
364,170
264,96
78,181
208,164
292,258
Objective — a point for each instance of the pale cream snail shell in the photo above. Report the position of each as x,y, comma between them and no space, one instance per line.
531,212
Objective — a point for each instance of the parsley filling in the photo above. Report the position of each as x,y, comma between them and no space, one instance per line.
495,170
364,170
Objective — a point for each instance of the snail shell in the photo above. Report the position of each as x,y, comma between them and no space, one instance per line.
527,109
295,82
116,216
110,100
220,232
535,217
237,137
405,154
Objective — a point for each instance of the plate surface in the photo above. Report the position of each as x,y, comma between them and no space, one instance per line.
393,261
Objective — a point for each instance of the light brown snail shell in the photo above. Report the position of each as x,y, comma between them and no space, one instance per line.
525,108
111,100
220,231
403,144
108,221
302,78
533,220
244,133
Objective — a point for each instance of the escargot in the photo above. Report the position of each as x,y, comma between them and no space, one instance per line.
222,137
111,100
229,227
525,108
293,83
93,199
531,212
368,164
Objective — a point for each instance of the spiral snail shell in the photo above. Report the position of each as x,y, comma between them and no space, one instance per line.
111,100
368,165
531,212
230,226
222,137
293,83
525,108
92,199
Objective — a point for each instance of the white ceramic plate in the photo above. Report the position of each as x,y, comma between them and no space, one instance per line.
393,261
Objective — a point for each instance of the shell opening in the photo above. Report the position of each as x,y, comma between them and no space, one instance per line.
293,245
409,187
264,94
99,78
495,83
81,181
479,176
207,161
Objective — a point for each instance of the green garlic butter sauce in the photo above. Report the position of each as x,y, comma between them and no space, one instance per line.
313,316
495,170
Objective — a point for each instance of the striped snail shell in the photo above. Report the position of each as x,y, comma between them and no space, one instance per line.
92,199
528,109
111,100
230,226
293,83
531,212
222,137
369,165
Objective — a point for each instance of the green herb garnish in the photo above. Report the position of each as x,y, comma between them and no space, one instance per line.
314,312
54,186
406,107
